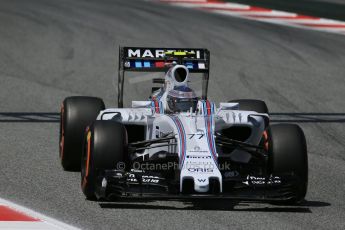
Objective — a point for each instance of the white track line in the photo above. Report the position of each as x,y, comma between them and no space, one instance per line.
262,14
41,222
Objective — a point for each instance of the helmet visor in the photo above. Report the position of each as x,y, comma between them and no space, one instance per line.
182,104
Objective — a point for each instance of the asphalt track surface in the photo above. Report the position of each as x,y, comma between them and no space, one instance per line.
53,49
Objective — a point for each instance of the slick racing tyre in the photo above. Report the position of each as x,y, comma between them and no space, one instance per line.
105,147
288,155
251,105
76,114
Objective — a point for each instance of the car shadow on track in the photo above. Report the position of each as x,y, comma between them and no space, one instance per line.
308,117
276,117
29,117
213,205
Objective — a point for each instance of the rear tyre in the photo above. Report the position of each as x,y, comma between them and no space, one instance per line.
288,154
251,105
76,114
105,147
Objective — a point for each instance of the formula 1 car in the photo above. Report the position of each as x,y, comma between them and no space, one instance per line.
178,145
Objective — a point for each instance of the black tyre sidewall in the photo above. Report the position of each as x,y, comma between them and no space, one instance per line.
288,154
76,114
108,142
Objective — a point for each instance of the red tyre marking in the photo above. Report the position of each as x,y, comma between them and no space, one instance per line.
265,135
62,141
88,136
88,153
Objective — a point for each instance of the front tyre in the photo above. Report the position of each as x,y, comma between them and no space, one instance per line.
288,154
76,114
105,147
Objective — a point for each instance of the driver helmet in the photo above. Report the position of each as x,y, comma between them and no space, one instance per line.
181,99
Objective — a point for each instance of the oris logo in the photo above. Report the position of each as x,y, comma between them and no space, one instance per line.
201,170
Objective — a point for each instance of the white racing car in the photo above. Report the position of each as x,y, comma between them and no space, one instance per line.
179,145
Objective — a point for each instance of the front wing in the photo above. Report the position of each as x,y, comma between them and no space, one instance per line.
113,184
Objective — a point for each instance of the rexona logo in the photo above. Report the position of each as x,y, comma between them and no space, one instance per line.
153,53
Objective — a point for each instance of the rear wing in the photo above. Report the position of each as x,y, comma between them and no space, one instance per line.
141,59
